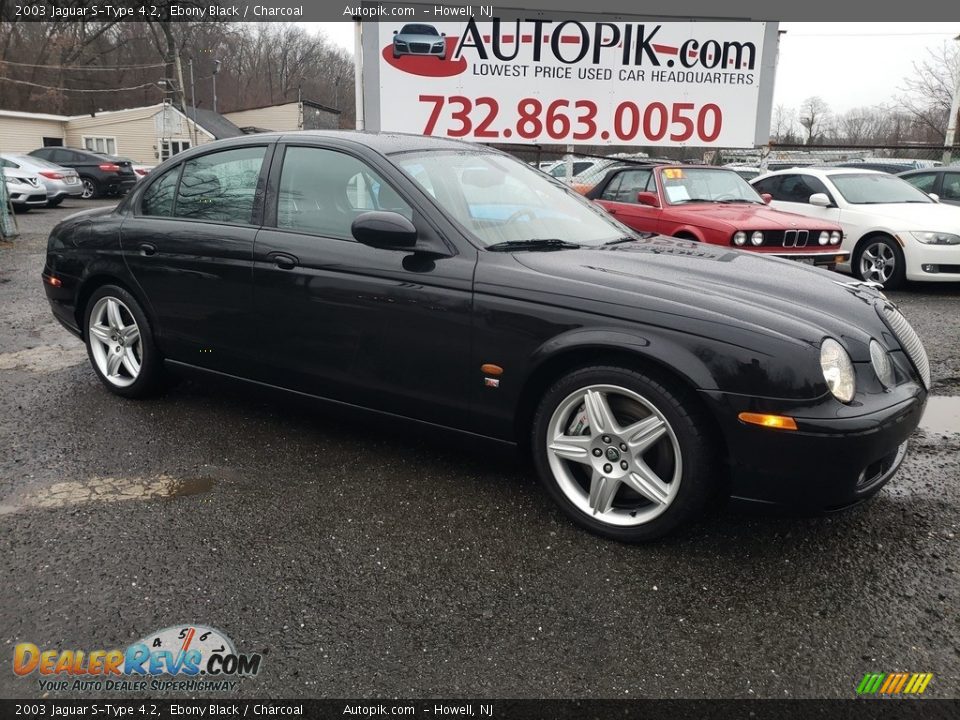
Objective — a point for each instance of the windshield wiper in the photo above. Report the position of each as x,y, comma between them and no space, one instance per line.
689,200
620,241
534,244
738,200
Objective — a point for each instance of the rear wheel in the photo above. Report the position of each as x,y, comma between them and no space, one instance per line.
879,259
626,455
120,343
91,188
55,202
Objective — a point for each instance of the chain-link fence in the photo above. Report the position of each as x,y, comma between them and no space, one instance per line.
585,166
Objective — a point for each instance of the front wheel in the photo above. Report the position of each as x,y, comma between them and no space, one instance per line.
879,259
626,455
120,343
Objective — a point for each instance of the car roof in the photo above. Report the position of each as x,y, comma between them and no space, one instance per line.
825,170
384,143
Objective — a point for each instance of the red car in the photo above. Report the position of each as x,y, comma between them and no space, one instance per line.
714,205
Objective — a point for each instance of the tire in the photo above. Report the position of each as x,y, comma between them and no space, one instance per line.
91,188
138,371
873,251
20,209
54,203
668,430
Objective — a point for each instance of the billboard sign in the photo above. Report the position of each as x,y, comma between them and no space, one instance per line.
569,81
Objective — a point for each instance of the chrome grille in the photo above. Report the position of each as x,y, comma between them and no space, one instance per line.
910,341
796,238
419,47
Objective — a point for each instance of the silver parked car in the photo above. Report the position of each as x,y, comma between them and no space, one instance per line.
418,39
24,189
59,182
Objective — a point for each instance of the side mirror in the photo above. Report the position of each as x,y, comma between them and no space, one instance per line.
443,34
766,197
384,230
649,199
395,32
820,200
934,197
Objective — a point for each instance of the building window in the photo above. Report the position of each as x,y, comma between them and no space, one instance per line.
169,148
106,145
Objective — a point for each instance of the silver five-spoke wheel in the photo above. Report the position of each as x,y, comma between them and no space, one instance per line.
115,342
614,455
877,262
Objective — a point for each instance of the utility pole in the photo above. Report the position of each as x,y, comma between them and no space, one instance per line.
193,104
216,69
951,135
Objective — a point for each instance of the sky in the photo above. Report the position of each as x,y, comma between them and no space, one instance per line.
847,64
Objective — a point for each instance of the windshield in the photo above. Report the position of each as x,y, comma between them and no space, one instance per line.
498,199
876,188
683,185
419,30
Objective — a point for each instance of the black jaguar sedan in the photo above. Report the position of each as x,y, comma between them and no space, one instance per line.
452,285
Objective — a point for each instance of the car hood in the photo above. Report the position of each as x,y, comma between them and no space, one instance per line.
724,293
914,216
749,217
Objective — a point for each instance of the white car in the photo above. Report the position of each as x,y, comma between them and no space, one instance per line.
892,230
24,189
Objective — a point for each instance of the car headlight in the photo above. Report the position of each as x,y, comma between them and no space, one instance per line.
882,365
936,238
740,238
757,238
835,238
837,370
824,238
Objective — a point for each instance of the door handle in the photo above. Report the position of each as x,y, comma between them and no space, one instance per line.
284,261
148,249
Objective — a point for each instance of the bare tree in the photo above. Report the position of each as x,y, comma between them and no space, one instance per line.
783,124
814,116
929,90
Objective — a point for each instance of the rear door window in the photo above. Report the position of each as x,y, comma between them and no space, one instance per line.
221,187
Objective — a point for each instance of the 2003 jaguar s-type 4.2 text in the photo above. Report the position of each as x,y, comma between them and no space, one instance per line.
456,286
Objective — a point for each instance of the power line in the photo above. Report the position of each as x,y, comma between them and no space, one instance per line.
76,90
83,67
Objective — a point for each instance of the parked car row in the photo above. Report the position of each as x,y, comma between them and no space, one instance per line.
893,231
47,176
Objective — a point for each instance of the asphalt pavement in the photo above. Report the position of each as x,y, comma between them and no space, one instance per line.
365,559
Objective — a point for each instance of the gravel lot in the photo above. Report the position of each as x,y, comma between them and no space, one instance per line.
409,565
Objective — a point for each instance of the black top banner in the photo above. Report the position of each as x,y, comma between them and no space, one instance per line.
348,10
478,709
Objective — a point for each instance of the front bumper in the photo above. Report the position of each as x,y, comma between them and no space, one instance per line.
931,263
820,258
34,198
838,456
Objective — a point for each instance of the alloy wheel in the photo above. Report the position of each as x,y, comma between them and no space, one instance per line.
614,455
115,341
877,262
88,189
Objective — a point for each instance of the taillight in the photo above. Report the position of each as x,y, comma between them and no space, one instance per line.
110,167
140,171
51,174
